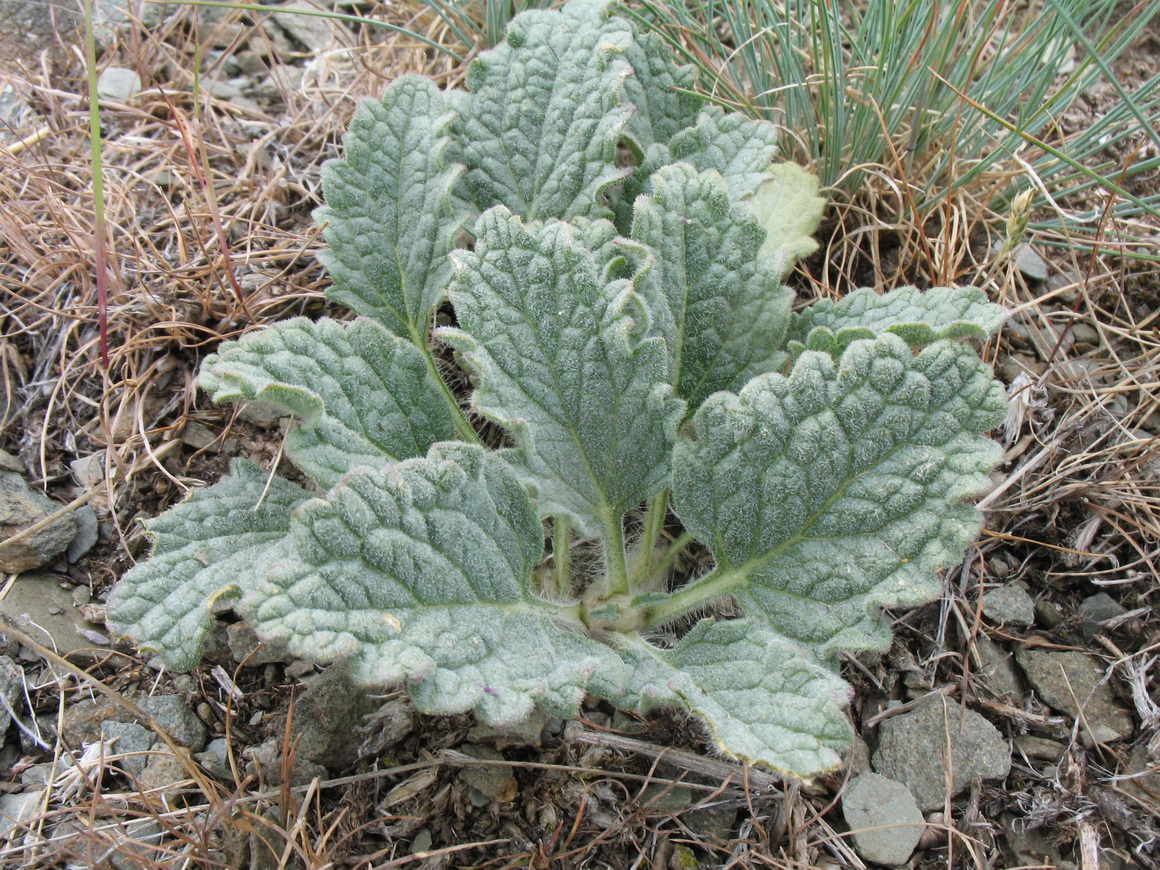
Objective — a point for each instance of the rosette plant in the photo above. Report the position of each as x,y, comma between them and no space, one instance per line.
612,249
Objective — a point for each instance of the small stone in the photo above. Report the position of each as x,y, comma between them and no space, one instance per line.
245,646
12,688
998,670
495,781
118,84
1028,261
21,508
215,758
1040,747
88,471
165,773
311,30
1097,609
38,604
1069,681
1009,605
1048,614
174,714
326,717
88,533
199,436
18,808
524,733
128,738
883,818
912,748
1086,336
421,842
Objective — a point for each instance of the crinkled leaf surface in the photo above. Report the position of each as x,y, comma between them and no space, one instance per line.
788,207
538,131
420,572
918,317
389,214
721,309
660,93
764,699
214,544
839,490
562,364
364,396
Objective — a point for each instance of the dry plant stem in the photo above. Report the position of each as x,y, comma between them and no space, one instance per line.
100,242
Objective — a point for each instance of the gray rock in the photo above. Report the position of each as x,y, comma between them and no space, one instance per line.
1028,261
118,83
912,748
1097,609
1040,747
18,808
311,30
1069,681
15,115
494,781
215,758
21,508
37,604
88,533
326,717
82,722
883,817
165,773
1009,605
11,687
88,471
1048,613
998,670
266,761
128,738
245,646
173,713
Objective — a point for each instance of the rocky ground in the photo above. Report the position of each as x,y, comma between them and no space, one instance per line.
1013,724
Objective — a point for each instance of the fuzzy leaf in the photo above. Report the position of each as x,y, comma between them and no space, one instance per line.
740,149
764,699
212,546
539,129
660,93
839,490
363,395
919,318
563,365
788,207
389,214
720,308
420,572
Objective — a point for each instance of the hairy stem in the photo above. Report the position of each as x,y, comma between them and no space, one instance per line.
463,427
561,556
688,598
654,523
615,556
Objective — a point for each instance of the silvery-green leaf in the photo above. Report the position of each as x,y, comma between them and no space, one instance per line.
212,546
660,92
839,490
740,148
538,131
420,572
918,317
562,364
719,306
789,209
389,216
363,395
764,699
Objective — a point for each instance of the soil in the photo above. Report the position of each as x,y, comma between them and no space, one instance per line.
1073,517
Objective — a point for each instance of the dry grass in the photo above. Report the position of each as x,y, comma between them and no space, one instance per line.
208,203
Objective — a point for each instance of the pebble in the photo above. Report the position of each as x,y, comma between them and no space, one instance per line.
17,808
912,748
1097,609
129,738
883,817
997,670
1009,605
20,509
118,83
12,688
1068,680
